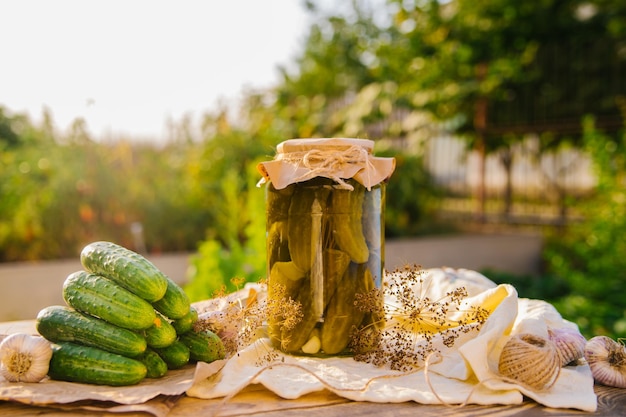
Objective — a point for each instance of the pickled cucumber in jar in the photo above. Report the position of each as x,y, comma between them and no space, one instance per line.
325,242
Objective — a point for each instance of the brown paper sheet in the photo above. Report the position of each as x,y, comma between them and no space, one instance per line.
154,396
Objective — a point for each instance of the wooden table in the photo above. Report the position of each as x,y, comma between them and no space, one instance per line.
258,401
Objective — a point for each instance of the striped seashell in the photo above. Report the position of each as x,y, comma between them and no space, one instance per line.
570,344
530,360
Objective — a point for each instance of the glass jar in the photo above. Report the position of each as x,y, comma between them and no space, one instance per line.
325,201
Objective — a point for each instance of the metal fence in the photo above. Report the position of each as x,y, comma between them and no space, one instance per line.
536,190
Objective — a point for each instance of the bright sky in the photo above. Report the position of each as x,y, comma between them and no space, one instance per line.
127,66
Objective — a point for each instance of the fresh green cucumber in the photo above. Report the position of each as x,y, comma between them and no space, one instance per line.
127,268
155,365
175,303
161,334
90,365
98,296
204,345
64,324
175,355
185,323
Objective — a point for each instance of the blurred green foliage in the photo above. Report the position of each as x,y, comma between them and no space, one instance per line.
590,255
412,199
399,69
222,268
585,264
60,192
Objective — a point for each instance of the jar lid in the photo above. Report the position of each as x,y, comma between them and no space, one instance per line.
299,145
299,160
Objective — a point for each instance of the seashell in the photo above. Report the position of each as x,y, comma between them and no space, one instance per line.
531,360
570,344
607,360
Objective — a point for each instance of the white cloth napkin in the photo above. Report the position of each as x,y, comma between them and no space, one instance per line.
466,373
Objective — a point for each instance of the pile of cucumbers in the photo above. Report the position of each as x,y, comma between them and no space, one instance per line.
124,321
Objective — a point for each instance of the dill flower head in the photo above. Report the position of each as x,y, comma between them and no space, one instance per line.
283,309
243,317
237,318
415,320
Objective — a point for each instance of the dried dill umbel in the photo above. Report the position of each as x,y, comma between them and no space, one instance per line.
238,320
412,324
283,307
242,318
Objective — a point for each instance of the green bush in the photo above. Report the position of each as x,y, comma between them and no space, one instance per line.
222,265
585,261
60,193
412,199
591,255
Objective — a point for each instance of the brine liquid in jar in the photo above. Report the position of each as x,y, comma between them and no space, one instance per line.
325,245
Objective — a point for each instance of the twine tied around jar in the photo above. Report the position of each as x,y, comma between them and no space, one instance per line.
328,162
340,159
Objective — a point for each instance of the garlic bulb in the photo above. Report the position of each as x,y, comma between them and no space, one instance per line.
531,360
607,360
570,344
24,357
